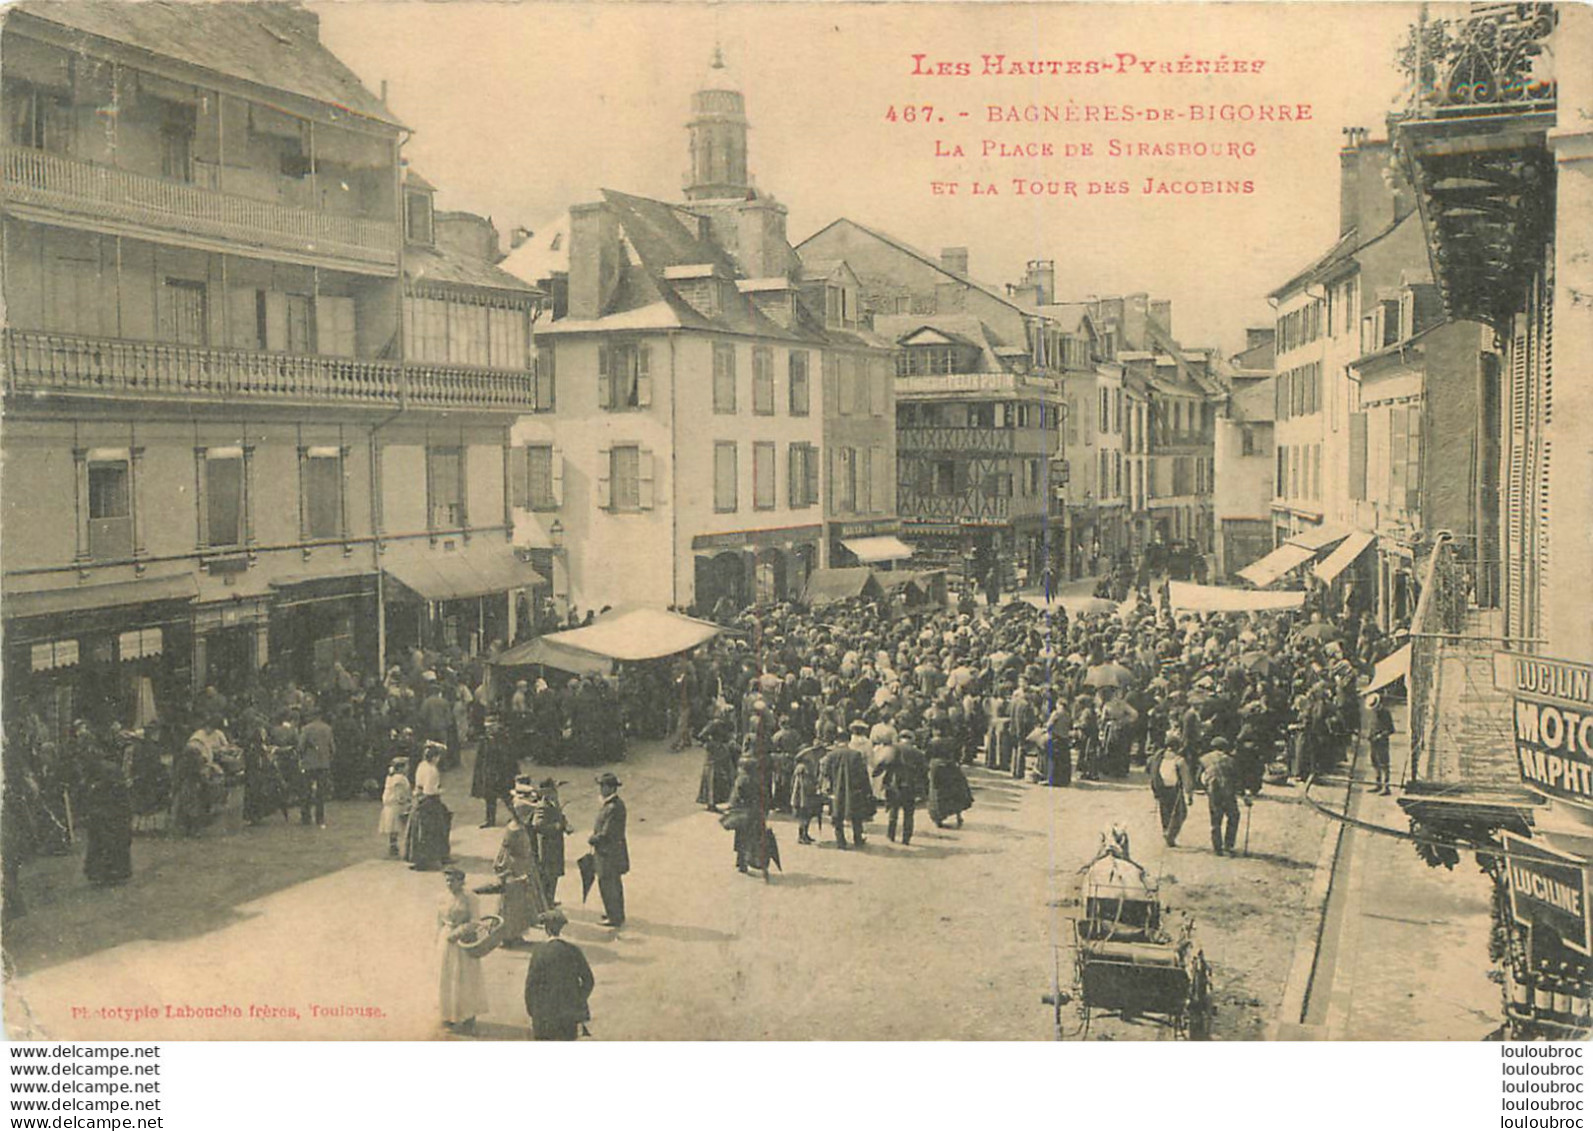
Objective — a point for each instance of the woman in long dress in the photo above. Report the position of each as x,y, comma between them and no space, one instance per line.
718,764
190,805
461,988
426,837
108,818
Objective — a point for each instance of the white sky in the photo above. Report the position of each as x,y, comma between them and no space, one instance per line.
521,109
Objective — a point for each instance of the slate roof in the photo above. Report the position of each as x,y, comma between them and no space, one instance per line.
274,45
960,327
439,265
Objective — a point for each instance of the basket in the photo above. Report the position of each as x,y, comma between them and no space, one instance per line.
487,938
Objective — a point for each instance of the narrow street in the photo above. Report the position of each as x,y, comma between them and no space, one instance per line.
950,938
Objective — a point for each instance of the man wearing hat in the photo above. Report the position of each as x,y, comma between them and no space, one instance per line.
558,983
844,772
1379,726
1220,777
610,850
549,827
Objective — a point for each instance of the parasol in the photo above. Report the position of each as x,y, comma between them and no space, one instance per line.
1258,662
1320,630
1087,604
1108,675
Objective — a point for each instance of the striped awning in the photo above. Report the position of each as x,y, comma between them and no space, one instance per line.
1264,572
1347,551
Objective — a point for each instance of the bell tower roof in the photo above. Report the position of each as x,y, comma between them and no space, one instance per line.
717,131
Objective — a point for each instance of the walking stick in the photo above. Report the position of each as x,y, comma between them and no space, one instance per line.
1249,808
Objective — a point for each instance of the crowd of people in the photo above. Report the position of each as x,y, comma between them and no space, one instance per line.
845,709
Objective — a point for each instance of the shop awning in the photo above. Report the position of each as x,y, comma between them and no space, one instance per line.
1390,669
457,576
826,586
116,594
1264,572
636,634
541,650
882,548
1188,596
1317,538
1339,560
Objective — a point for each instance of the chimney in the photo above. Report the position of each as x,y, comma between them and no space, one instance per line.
1351,180
518,236
594,260
955,260
1041,275
1162,311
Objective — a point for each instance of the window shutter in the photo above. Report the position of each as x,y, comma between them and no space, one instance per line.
644,478
276,309
604,466
1358,455
334,325
795,477
605,357
810,466
644,376
556,475
835,480
519,477
1413,472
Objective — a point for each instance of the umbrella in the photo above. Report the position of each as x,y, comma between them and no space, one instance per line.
1321,630
1258,662
1087,604
587,866
1108,675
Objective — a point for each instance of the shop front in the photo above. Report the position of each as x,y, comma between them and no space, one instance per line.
117,652
747,567
454,599
875,543
320,621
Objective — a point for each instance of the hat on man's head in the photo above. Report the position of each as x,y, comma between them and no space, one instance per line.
1219,743
452,873
859,727
548,783
607,778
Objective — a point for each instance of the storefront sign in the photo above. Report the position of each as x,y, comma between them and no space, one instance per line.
865,529
1548,891
1552,718
755,538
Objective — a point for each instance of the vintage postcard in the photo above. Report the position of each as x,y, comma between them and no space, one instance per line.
802,521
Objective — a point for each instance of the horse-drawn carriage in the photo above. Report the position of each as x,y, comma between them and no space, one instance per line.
1126,963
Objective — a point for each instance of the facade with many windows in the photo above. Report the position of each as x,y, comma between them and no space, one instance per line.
713,403
215,443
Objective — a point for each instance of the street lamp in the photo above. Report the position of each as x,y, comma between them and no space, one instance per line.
556,534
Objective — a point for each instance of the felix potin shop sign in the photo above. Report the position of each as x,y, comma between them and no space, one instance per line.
1548,891
1552,718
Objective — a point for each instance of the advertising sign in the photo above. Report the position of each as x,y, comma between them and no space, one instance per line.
1548,891
1552,719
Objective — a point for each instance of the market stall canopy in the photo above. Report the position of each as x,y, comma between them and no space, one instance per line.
1390,669
470,573
1187,596
1264,572
1079,606
1339,560
540,650
826,586
636,634
882,548
1317,538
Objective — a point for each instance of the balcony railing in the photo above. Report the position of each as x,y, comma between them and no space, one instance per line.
43,362
431,385
1496,61
49,180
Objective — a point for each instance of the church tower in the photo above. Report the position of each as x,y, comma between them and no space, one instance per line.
718,132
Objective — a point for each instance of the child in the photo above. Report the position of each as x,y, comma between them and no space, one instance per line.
395,803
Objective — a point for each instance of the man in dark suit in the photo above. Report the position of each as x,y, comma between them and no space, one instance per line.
610,850
558,982
317,749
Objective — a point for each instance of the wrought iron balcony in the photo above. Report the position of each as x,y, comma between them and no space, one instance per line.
40,362
1473,142
1497,61
33,178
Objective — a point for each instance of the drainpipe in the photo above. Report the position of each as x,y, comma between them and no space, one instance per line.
674,511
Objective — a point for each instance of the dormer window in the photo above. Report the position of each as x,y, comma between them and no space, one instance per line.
418,217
